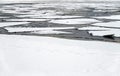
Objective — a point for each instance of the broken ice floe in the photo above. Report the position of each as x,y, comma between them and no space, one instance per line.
94,28
27,20
117,17
49,32
46,16
114,24
22,29
115,32
2,17
2,24
101,31
74,21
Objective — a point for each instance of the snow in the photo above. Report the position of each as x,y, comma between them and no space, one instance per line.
74,21
2,24
26,19
116,32
47,56
110,17
94,28
20,29
109,24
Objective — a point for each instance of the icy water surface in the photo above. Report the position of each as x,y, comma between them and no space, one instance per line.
81,21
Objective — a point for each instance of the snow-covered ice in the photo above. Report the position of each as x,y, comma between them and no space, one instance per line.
57,16
8,11
116,32
101,31
26,19
74,21
46,16
109,24
1,17
2,24
46,56
49,32
93,28
110,17
22,29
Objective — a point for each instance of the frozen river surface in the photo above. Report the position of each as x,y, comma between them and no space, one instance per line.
19,16
60,39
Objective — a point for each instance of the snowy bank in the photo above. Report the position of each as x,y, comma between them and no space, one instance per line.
46,56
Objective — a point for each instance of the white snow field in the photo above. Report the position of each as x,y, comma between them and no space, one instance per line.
109,24
47,56
2,24
74,21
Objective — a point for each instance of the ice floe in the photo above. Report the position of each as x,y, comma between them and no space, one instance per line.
115,24
22,29
101,31
26,19
74,21
35,13
115,32
2,17
2,24
94,28
110,17
57,16
46,16
49,32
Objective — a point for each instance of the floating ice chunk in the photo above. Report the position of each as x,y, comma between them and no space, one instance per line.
2,24
55,16
74,21
109,24
41,13
116,32
10,11
110,17
46,16
93,28
26,20
2,17
18,29
50,5
27,15
49,32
